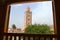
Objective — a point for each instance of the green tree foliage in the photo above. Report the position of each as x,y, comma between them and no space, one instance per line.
37,28
14,26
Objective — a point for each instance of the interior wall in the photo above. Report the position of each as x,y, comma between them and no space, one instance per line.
57,7
2,18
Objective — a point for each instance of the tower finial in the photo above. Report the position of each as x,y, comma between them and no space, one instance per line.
28,8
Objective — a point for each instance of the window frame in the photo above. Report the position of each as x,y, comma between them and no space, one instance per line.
16,2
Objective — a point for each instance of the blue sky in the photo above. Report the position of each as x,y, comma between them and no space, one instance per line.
41,13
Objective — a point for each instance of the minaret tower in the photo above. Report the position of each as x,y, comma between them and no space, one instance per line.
27,18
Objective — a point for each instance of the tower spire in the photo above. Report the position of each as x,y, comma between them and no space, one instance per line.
28,8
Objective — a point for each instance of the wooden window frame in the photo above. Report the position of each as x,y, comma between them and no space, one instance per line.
16,2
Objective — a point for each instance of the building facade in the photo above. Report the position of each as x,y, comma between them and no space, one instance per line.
11,30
